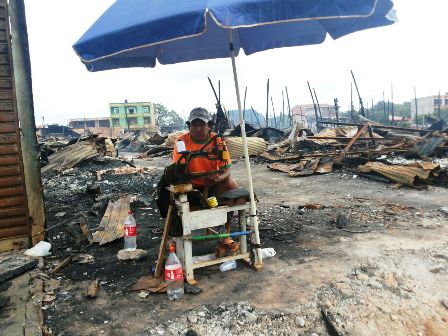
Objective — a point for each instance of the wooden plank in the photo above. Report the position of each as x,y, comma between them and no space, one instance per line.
14,243
11,201
17,221
5,94
13,212
10,181
98,235
9,160
7,116
6,106
19,231
5,83
8,149
166,230
112,223
7,138
9,170
109,233
220,260
11,191
13,264
351,142
5,71
7,128
4,59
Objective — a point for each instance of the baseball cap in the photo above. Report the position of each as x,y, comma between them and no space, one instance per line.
199,113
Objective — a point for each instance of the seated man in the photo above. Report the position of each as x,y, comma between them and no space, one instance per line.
200,134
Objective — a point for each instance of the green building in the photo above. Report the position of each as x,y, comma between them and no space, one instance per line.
132,115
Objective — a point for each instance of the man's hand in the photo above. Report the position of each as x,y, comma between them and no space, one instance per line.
213,179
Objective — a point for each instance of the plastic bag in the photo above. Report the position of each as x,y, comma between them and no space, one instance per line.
267,252
41,249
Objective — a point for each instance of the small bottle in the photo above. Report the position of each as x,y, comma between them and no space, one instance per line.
180,146
130,233
227,266
174,275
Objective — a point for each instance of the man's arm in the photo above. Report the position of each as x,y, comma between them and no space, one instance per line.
217,178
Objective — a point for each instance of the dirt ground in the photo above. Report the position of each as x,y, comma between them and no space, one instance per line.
373,259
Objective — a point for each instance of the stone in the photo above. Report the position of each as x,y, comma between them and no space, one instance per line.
201,314
362,277
445,302
251,317
390,281
300,321
192,319
131,255
375,284
143,294
437,269
190,289
440,255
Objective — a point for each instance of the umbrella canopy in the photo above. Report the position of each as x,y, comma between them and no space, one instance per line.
137,33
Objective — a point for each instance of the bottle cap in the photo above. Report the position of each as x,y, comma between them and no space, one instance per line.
129,212
172,248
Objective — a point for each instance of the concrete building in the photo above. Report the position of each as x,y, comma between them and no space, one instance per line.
429,105
99,126
130,115
306,115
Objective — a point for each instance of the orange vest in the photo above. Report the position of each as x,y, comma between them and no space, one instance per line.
201,164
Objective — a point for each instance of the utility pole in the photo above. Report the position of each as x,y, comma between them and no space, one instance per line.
315,107
392,102
267,104
438,107
359,95
318,106
336,108
384,110
289,107
273,111
416,112
283,111
352,108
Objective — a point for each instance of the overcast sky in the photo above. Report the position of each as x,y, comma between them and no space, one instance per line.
410,52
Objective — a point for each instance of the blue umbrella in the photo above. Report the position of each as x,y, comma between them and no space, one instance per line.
136,33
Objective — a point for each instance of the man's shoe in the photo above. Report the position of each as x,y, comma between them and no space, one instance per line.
227,247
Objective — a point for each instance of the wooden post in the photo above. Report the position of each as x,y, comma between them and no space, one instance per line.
25,108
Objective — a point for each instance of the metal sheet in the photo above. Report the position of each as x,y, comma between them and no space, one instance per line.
254,145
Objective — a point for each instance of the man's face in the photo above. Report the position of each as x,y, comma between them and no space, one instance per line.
199,130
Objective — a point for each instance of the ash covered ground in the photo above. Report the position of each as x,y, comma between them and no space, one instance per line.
363,256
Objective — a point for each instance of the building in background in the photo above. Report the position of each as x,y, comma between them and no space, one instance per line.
429,105
101,126
305,114
129,115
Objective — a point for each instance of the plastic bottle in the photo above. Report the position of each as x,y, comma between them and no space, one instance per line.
180,146
174,275
130,233
227,266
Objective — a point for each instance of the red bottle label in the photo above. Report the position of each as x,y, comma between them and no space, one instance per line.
174,274
130,231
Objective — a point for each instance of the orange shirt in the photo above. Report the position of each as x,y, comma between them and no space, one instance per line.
201,164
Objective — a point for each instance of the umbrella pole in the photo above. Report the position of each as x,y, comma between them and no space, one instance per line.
253,206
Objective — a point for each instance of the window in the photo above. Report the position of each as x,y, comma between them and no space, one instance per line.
446,102
131,109
436,101
103,123
115,110
116,122
145,109
132,121
147,120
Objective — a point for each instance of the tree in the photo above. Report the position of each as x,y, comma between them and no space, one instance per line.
170,118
